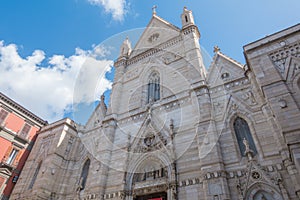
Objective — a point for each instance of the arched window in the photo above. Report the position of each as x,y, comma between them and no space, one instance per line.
84,174
242,131
153,88
36,172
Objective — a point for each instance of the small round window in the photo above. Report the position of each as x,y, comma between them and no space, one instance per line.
225,75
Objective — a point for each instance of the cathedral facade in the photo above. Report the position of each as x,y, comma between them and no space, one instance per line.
176,131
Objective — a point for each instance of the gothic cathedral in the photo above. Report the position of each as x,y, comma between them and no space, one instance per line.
175,130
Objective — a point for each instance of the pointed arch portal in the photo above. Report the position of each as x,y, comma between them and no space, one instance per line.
152,178
261,191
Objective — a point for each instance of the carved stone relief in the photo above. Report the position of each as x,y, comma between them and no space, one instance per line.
153,38
169,57
249,98
45,145
151,142
280,56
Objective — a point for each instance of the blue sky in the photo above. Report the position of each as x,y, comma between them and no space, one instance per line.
45,44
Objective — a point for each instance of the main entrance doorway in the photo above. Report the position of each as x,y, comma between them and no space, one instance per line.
156,196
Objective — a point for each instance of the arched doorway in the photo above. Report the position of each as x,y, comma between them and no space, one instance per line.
152,179
261,191
263,195
155,196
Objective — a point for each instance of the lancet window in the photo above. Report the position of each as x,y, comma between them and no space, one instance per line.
36,172
154,87
84,175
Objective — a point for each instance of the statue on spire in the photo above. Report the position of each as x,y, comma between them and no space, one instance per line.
154,9
125,49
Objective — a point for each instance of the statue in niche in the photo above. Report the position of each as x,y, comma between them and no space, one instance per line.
80,185
248,151
247,147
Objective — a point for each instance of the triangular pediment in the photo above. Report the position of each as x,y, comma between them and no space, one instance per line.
151,136
224,69
5,171
157,32
258,179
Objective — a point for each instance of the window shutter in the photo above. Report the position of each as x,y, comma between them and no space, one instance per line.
8,152
3,115
18,156
25,130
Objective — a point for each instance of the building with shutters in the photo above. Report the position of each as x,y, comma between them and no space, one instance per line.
176,131
18,131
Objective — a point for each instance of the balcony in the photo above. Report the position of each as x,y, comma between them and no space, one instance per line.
150,183
12,135
21,138
11,166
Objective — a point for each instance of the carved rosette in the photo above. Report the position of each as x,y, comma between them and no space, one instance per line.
150,143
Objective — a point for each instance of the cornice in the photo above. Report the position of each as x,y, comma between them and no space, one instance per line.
191,29
23,111
149,52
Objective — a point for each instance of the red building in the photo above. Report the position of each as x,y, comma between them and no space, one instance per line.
18,131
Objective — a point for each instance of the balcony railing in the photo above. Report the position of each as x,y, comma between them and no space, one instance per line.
150,183
11,165
22,136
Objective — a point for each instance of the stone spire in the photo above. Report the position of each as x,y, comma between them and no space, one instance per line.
154,10
103,105
187,18
125,49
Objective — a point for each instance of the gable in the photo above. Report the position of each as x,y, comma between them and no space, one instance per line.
223,69
157,32
151,136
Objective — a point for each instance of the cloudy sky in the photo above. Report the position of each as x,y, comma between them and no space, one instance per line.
56,56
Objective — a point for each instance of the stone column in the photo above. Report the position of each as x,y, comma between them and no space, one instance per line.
110,128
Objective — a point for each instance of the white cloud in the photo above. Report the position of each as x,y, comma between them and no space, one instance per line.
51,87
115,7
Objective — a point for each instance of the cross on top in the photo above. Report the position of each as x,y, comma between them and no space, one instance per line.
216,49
154,9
